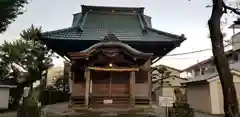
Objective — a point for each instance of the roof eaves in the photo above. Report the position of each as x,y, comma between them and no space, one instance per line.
235,34
200,63
182,37
169,67
8,86
60,30
169,77
175,77
233,71
202,79
199,81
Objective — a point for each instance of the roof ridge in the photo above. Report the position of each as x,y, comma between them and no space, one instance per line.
117,13
141,22
113,7
82,20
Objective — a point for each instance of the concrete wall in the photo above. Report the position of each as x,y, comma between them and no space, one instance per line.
4,99
217,96
236,41
198,96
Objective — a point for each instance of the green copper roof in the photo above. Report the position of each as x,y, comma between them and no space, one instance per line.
127,24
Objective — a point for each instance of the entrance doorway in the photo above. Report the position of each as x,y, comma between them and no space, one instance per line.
111,87
110,84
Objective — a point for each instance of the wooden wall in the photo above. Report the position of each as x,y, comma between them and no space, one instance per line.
78,87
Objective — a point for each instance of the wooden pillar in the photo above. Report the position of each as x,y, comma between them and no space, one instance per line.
132,88
150,83
87,79
71,81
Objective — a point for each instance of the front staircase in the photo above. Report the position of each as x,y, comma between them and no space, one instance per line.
139,101
77,102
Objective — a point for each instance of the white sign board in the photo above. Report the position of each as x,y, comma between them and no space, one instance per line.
107,101
166,101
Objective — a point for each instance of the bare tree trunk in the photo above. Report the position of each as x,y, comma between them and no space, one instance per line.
226,77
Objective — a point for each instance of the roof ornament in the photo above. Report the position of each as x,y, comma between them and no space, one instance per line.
182,36
110,38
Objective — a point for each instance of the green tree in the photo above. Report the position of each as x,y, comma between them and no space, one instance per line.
162,72
9,10
31,55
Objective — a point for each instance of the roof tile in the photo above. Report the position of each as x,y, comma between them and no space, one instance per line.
125,27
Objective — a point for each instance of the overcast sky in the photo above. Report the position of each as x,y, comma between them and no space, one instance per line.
173,16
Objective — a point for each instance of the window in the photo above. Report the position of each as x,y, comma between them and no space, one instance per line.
197,72
235,57
202,71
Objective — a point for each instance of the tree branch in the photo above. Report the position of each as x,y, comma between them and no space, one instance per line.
234,10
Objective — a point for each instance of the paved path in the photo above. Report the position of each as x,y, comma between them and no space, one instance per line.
160,111
59,108
199,114
8,114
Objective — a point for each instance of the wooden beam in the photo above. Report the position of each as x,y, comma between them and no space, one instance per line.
113,69
87,78
132,88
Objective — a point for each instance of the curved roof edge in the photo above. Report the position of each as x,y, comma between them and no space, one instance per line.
116,44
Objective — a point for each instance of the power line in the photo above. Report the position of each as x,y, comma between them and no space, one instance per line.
199,57
197,51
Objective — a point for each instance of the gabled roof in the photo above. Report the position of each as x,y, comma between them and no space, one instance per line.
227,53
161,65
128,24
95,22
208,77
170,76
